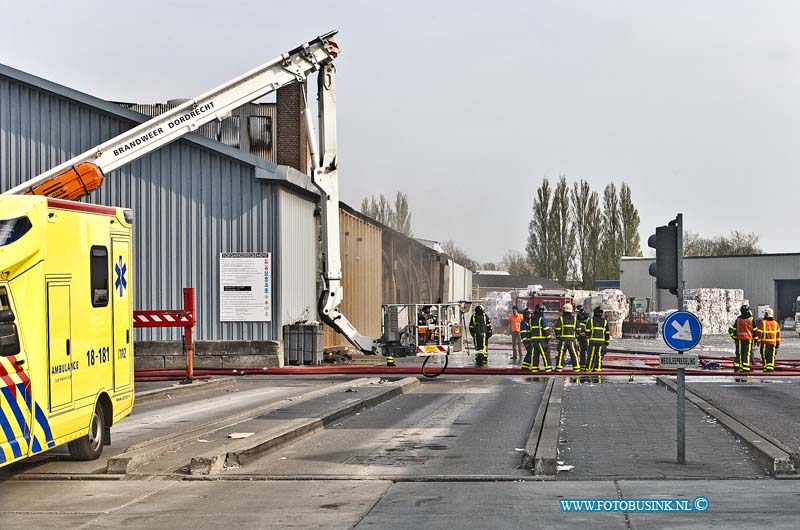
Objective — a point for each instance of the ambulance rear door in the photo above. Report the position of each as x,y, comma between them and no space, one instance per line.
15,385
123,334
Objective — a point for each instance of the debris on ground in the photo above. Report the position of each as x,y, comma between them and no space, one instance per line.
337,357
240,435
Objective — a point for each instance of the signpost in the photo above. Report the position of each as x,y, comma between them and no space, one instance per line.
681,332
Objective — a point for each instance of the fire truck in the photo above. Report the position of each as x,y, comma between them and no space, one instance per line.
553,300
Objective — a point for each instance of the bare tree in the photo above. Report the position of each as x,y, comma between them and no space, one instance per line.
612,234
397,217
402,214
629,221
459,255
561,236
735,244
579,198
380,210
516,264
538,247
594,229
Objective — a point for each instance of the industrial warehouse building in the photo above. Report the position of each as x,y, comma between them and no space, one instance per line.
198,198
767,279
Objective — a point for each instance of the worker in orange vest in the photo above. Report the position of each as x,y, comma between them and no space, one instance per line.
768,335
741,331
514,320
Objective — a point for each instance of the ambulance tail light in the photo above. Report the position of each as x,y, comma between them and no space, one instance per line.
73,184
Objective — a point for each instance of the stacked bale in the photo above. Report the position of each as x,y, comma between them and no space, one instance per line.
715,308
615,308
613,301
498,306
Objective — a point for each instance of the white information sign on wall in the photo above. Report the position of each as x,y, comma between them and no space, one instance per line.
245,280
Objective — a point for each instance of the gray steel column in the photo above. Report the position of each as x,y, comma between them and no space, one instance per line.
681,415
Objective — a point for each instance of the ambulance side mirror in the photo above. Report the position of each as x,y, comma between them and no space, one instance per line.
9,338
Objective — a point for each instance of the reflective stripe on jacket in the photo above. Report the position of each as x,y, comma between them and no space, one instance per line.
538,329
597,330
480,324
581,321
566,327
768,332
742,328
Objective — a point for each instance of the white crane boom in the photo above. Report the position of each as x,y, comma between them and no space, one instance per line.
83,173
325,177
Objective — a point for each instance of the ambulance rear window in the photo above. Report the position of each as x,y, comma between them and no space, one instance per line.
4,305
13,229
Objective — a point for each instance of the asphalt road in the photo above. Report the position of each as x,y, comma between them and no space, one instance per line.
452,426
171,414
441,456
771,405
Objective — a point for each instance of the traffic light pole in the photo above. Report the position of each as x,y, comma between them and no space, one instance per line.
668,272
679,236
681,390
681,393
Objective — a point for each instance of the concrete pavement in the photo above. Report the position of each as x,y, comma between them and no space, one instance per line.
620,430
380,504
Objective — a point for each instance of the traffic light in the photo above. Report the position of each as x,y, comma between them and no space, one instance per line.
669,254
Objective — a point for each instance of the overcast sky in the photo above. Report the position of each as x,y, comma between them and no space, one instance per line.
466,105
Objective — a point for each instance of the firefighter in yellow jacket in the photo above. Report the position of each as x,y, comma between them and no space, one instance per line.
566,334
768,335
599,336
538,334
480,327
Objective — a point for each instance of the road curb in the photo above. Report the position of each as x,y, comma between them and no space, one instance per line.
777,461
157,394
140,454
541,450
771,439
239,453
529,455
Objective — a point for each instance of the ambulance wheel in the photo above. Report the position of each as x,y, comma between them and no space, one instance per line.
90,446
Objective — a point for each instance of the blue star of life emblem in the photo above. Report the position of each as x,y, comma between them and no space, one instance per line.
120,269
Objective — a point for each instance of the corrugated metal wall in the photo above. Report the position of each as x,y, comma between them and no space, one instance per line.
251,128
361,277
412,271
460,282
191,202
298,258
755,274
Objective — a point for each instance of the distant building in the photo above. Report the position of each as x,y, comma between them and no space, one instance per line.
772,279
492,281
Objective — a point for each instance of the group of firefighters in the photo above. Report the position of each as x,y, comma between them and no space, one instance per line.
582,339
766,334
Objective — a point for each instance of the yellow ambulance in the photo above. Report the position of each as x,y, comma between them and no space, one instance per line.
66,325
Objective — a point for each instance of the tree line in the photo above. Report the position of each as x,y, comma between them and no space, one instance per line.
576,237
396,216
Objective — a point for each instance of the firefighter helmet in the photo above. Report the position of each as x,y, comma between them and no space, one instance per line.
538,309
598,311
745,309
768,312
479,309
568,308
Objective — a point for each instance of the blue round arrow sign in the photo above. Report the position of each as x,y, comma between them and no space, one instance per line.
682,331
